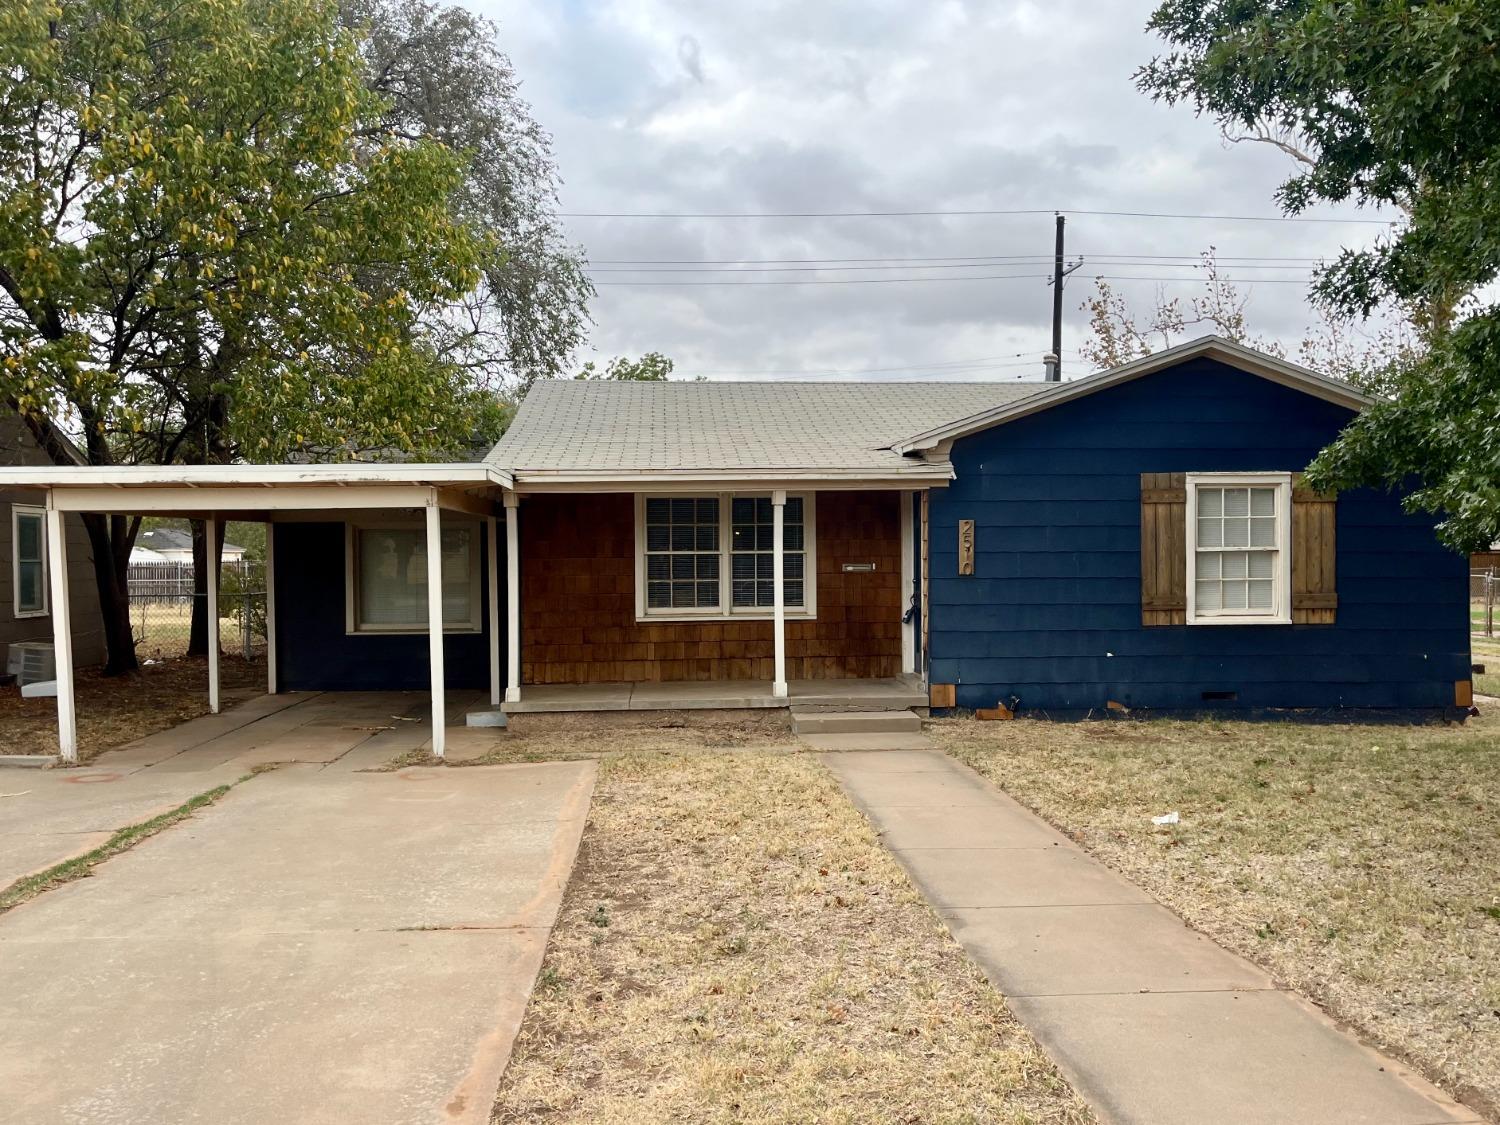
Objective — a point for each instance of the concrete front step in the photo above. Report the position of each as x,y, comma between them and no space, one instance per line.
806,721
486,717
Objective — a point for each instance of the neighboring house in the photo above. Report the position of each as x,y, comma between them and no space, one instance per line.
1136,538
25,594
168,544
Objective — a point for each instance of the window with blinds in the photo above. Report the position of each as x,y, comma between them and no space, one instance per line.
682,553
714,556
752,563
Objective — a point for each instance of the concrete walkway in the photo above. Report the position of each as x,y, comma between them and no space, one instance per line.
1152,1022
322,945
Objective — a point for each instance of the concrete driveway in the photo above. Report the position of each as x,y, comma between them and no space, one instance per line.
322,945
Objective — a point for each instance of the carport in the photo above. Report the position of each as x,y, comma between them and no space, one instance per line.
268,494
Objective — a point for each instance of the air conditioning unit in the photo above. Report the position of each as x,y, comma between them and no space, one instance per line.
31,661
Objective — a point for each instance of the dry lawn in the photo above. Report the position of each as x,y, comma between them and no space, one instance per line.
736,946
1487,652
1359,864
116,710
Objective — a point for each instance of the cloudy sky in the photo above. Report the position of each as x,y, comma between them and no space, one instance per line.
670,107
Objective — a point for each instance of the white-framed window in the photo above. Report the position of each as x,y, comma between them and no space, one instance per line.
28,537
710,556
385,577
1239,560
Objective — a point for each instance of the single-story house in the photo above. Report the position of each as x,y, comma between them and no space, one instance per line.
1138,537
173,545
25,598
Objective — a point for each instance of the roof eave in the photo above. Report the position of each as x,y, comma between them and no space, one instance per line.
913,474
1211,347
463,474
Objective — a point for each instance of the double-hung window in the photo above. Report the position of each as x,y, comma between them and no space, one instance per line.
682,554
29,572
1238,556
387,578
752,559
713,556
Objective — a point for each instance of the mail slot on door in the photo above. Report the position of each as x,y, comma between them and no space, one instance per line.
858,568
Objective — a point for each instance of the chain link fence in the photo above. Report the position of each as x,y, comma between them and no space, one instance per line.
161,608
1484,591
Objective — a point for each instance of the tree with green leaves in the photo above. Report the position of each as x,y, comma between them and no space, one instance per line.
441,76
1389,103
653,367
213,246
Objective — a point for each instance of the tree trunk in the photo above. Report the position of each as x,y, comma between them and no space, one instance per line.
198,632
111,538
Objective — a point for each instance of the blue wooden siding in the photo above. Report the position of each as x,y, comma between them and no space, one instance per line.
1052,613
315,652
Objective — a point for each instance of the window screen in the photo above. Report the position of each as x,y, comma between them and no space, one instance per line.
682,552
31,563
752,558
1237,551
392,577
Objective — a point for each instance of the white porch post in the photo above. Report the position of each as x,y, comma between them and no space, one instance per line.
491,545
435,623
908,585
512,598
270,609
211,564
778,560
62,633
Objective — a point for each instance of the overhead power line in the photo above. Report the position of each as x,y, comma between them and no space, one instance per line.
963,213
987,362
955,265
968,278
1193,258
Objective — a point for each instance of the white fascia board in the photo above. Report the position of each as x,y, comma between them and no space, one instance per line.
920,474
1211,347
461,475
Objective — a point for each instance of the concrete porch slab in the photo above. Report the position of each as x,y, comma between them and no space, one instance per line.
720,695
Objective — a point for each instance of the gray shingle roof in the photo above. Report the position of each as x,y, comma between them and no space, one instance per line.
598,426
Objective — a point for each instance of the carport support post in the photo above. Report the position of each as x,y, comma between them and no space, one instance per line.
435,622
512,598
270,609
62,634
491,543
778,513
211,527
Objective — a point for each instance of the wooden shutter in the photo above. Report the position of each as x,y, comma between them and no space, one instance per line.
1315,599
1163,549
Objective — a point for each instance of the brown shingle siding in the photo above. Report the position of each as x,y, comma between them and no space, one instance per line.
578,600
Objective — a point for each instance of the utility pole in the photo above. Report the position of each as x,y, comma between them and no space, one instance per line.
1053,360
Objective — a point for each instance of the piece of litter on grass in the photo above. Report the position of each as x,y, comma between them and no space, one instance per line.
1167,818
